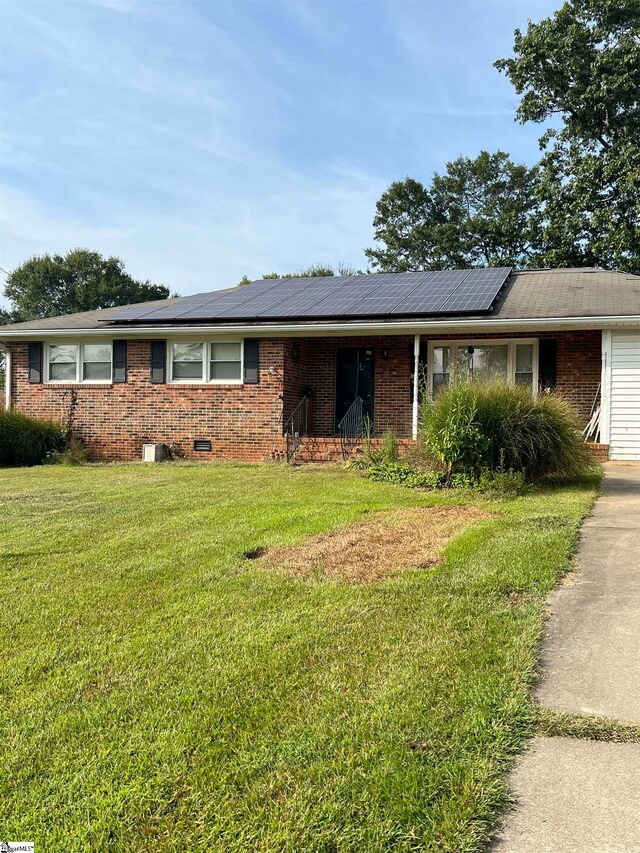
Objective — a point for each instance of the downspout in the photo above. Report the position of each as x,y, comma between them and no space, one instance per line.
7,379
605,389
416,386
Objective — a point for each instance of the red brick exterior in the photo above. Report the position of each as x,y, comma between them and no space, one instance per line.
316,369
245,422
600,452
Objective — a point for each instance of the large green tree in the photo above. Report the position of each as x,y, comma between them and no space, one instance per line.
582,65
81,280
312,271
481,212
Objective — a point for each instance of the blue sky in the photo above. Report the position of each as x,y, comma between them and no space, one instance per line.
204,140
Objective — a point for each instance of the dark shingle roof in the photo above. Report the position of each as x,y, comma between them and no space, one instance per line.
569,293
530,294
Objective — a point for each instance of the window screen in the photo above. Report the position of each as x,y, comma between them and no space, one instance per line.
63,363
187,361
96,362
225,361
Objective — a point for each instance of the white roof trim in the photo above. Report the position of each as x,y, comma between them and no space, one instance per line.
344,328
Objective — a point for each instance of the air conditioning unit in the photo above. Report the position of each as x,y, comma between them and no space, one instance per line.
154,452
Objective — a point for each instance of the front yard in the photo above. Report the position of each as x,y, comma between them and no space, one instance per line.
161,692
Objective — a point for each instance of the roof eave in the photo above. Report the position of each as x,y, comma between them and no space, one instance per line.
410,326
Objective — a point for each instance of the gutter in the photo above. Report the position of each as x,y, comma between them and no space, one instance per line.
366,328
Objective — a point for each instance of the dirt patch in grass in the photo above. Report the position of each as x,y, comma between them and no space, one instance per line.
381,545
517,599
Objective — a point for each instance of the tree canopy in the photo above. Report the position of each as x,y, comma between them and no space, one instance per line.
481,212
583,65
312,271
580,206
81,280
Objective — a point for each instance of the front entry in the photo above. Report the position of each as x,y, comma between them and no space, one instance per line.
355,377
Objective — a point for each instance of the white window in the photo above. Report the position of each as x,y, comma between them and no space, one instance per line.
63,363
71,363
524,364
515,361
218,362
96,362
187,362
225,362
441,367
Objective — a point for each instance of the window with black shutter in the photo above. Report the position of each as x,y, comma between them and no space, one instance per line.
158,362
35,362
547,363
251,361
119,361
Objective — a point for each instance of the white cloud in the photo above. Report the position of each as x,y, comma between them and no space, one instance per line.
218,241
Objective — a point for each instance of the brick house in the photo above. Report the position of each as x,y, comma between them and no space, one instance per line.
299,366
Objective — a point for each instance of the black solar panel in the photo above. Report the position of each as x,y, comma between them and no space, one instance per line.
385,294
431,293
296,296
477,292
200,304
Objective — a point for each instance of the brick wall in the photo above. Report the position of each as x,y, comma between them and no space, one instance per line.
392,383
243,422
579,367
296,372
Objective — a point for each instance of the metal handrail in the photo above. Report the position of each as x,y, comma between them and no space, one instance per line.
351,428
296,427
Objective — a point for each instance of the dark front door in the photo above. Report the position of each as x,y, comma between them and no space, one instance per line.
354,378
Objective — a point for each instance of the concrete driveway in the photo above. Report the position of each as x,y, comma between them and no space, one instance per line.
579,796
591,657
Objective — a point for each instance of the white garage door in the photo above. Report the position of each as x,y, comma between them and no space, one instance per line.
624,440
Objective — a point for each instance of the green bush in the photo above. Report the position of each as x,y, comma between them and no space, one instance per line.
388,451
28,441
452,432
494,426
419,457
502,483
74,453
398,472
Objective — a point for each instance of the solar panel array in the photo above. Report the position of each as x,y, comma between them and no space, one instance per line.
358,296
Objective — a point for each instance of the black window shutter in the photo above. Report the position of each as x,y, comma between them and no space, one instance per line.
251,361
35,362
158,362
119,361
547,359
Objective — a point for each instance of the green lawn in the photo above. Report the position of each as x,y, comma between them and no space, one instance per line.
161,693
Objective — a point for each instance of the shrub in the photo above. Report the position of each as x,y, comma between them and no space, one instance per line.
452,433
502,483
398,472
28,441
74,453
419,456
494,426
389,450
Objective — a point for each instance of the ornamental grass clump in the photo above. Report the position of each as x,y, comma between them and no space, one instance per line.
494,426
28,441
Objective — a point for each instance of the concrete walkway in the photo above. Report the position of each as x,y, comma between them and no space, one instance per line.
575,796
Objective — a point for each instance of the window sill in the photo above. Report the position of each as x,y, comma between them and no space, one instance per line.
216,383
101,383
